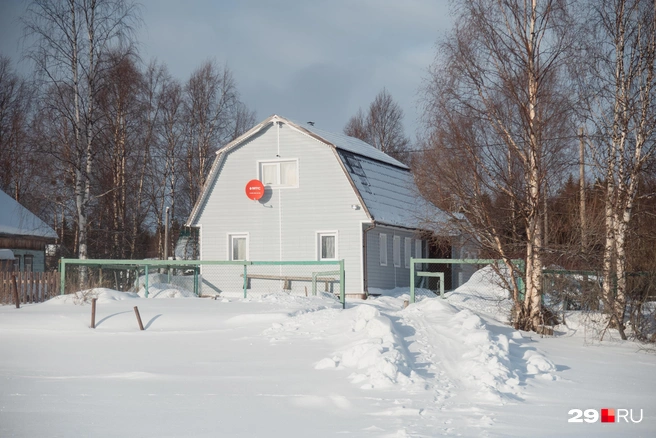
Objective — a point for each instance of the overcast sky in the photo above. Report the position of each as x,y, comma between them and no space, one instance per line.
316,60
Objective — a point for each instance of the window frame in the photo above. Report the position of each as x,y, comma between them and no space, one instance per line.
278,185
29,257
17,265
419,253
230,245
321,234
382,248
407,251
396,251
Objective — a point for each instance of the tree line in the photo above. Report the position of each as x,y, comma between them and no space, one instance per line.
99,143
522,96
537,137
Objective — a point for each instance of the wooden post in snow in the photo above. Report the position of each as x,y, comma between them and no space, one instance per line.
93,313
136,312
16,300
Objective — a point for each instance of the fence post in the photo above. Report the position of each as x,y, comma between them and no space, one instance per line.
16,300
93,313
245,279
62,273
136,312
412,280
342,283
196,269
146,282
442,285
314,284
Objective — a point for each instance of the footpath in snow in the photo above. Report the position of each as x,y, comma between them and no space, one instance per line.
285,366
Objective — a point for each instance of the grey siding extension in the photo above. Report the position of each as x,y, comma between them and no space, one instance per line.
283,225
387,277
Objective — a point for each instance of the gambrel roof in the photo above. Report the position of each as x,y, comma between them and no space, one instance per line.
385,186
16,220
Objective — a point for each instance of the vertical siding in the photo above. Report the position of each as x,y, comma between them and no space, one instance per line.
283,225
387,277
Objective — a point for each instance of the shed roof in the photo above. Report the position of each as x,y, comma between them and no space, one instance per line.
17,220
7,254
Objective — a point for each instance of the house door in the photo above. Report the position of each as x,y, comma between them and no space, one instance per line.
439,249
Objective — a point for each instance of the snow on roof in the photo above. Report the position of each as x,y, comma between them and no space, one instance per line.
352,144
18,220
6,254
389,192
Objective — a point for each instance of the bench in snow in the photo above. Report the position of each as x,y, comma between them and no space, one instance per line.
287,279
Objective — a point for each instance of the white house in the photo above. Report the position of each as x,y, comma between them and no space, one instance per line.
327,196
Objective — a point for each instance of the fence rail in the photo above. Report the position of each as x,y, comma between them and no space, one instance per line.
208,277
33,287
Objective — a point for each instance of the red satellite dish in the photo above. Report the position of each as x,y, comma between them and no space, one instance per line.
254,189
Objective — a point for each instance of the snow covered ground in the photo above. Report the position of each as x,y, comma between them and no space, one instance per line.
285,366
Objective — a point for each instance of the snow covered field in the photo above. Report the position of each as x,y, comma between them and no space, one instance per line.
284,366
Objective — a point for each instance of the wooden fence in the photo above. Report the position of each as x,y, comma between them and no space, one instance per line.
33,287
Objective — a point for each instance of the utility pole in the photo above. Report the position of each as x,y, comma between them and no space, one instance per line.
584,242
166,235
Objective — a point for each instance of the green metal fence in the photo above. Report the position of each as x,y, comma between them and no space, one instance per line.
583,290
414,272
208,278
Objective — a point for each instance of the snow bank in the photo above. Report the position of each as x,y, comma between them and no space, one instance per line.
165,290
103,295
482,356
184,283
377,356
483,293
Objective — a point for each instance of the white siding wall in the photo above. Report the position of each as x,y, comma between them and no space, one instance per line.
283,225
387,277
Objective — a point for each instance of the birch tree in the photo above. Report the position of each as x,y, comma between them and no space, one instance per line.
618,89
71,39
211,104
122,152
164,181
494,110
15,107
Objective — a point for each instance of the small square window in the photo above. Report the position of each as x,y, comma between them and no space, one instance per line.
269,174
327,242
279,174
238,246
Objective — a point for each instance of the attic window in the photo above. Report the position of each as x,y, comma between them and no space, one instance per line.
279,173
356,166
